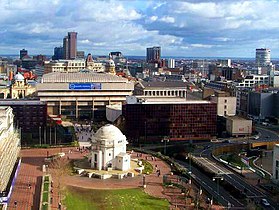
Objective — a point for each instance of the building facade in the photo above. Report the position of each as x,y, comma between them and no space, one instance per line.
153,55
64,66
161,89
82,94
262,57
226,104
108,150
275,165
9,152
72,45
178,120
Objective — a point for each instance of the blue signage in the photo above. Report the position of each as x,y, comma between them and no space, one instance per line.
85,86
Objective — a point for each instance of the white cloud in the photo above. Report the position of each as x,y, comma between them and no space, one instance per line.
167,19
201,45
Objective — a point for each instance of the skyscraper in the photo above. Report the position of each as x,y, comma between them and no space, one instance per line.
58,53
22,53
262,57
153,55
72,44
65,47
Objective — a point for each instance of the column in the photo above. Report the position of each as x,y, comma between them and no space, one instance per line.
93,104
76,108
60,106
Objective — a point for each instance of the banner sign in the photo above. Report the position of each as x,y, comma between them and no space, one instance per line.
85,86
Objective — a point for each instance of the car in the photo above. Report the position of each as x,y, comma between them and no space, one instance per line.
267,137
256,137
265,202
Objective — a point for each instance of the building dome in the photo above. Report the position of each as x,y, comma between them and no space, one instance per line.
109,134
19,77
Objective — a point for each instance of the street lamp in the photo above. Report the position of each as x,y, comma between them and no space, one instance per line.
40,135
165,139
218,178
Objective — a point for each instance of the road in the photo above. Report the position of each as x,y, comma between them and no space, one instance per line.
224,198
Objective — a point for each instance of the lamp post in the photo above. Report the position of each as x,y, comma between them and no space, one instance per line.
218,178
40,135
165,139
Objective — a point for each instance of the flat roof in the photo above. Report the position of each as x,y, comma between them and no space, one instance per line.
170,100
81,77
20,102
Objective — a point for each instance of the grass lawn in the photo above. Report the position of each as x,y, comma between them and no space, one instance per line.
45,196
148,168
46,186
46,178
86,199
45,207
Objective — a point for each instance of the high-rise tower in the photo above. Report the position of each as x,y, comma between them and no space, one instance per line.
72,43
262,57
65,47
153,55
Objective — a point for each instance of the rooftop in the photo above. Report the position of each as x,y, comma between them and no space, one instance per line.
58,77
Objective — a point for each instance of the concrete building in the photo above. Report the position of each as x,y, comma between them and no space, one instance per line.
262,57
78,95
224,62
9,152
171,63
64,66
153,55
72,45
22,53
108,150
66,48
275,165
252,81
161,89
58,53
237,126
226,104
20,88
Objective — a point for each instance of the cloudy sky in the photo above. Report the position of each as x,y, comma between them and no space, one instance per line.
227,28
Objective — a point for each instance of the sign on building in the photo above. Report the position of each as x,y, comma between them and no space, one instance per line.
85,86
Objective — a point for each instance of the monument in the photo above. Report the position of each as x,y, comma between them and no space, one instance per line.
108,149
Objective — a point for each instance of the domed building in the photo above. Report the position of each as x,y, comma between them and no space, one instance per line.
110,67
108,149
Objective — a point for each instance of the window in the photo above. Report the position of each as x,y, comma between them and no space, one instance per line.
225,100
225,107
225,112
109,154
277,163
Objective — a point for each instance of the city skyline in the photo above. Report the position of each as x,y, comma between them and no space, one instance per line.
182,28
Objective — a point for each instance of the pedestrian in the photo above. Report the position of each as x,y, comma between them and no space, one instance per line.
51,199
59,206
29,186
145,157
15,203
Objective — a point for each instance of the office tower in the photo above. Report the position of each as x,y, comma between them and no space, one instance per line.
72,45
171,63
80,55
58,53
23,53
153,55
262,57
65,47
